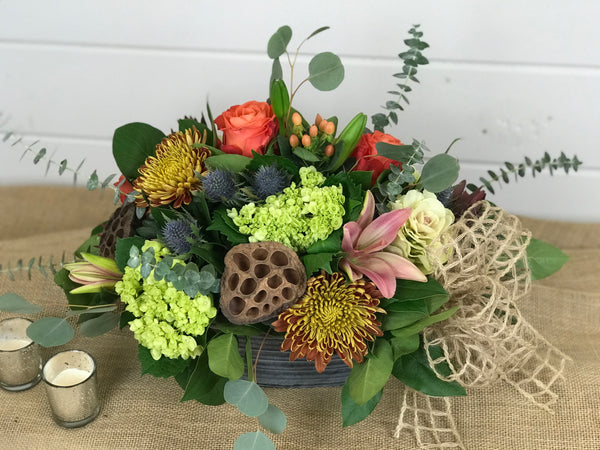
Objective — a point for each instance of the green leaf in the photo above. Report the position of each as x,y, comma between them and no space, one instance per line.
305,154
279,42
92,182
161,368
242,330
352,412
201,384
326,71
14,303
50,331
403,153
224,357
414,371
314,262
331,244
248,396
224,225
235,163
317,31
419,326
544,259
402,314
122,250
132,144
367,379
100,325
404,345
432,292
253,441
273,419
439,173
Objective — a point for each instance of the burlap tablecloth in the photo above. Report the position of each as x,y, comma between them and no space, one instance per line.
145,412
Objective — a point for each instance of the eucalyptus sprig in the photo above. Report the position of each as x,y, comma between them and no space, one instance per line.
40,154
21,267
412,59
519,170
325,70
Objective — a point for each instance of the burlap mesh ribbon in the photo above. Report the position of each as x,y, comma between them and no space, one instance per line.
487,339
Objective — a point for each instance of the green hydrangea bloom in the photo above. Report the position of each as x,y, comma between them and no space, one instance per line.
166,319
297,217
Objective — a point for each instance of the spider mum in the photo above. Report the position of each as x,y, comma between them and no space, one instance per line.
171,175
331,317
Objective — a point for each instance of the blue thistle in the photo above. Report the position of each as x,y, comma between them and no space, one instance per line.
219,185
176,234
269,180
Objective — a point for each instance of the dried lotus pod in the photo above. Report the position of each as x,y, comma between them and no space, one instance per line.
122,224
261,279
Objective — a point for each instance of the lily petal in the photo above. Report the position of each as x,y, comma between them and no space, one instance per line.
379,272
347,267
368,209
402,267
382,231
352,231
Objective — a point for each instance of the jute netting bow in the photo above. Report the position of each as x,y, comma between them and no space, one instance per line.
487,339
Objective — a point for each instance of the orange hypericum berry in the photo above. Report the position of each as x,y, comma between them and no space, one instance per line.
330,128
296,119
306,140
313,131
322,124
294,141
318,119
329,150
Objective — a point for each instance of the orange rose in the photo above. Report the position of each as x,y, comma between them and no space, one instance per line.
366,154
247,127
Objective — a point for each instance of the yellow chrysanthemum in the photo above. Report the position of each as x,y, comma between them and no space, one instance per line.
332,316
169,176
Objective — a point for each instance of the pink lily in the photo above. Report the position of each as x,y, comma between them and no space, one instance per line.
364,243
94,273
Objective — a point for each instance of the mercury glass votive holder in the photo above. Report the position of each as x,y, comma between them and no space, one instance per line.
20,357
72,388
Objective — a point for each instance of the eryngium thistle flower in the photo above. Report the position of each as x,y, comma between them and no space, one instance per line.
332,316
219,185
176,234
269,180
170,175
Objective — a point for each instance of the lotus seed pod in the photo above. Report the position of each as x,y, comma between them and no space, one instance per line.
261,279
122,224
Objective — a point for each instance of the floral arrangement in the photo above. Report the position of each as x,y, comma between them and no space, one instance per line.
336,239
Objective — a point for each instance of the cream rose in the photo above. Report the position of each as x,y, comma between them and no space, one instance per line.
428,220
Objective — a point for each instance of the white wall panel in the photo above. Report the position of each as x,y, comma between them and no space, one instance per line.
535,31
509,78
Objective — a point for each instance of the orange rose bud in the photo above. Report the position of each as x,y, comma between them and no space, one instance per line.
313,131
318,119
306,140
294,141
296,119
330,128
329,150
322,125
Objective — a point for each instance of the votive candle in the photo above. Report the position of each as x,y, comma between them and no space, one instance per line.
72,388
20,357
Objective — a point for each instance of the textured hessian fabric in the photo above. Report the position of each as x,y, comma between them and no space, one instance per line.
145,412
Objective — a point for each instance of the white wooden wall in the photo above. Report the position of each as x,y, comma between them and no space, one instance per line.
511,78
